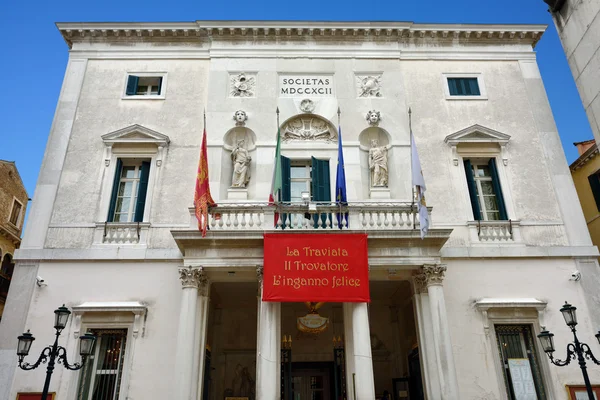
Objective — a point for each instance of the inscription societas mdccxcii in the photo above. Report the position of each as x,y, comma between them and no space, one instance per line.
306,85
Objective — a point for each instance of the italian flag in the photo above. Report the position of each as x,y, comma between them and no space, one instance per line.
276,181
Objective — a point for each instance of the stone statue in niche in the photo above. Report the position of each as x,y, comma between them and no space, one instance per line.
369,86
241,165
373,117
240,117
242,85
378,164
307,128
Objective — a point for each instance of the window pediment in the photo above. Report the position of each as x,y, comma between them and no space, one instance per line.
132,136
479,136
135,134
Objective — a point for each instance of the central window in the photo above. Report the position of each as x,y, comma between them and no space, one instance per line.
300,180
305,176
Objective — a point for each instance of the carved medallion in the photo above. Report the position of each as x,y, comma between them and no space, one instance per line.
307,106
307,128
369,86
242,85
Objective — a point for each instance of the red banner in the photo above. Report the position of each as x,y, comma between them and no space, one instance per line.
316,267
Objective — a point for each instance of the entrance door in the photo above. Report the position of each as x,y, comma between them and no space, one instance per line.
311,384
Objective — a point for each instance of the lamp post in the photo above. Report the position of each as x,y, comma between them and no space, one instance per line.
578,350
50,353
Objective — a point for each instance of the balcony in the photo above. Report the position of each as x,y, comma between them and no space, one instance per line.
486,232
316,216
235,230
123,233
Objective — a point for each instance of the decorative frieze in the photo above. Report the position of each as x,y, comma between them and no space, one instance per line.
434,274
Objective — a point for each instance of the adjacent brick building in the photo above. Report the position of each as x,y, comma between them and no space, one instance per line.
13,203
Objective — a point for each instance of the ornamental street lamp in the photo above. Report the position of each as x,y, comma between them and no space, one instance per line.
574,350
50,353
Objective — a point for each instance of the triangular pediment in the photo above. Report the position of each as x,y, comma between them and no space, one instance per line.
136,134
477,134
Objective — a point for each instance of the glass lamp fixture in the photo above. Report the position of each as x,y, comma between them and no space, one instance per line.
86,344
25,341
568,312
61,315
547,341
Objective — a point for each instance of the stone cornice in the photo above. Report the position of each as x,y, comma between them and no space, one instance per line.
292,30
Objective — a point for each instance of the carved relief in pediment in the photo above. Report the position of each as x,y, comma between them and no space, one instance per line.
308,128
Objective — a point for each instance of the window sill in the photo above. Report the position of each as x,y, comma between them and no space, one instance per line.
466,98
143,97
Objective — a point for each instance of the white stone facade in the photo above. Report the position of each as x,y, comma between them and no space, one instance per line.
445,295
578,27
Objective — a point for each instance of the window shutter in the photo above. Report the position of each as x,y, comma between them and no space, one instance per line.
472,190
286,186
320,188
498,189
160,80
473,87
142,190
452,87
115,191
320,180
594,180
132,84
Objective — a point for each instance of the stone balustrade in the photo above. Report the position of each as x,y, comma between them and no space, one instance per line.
121,233
495,231
257,216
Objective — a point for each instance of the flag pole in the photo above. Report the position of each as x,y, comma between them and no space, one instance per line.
278,201
205,119
412,206
339,194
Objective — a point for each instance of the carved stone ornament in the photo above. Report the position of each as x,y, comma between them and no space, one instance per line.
434,274
420,283
242,85
307,106
259,274
240,117
240,157
307,128
373,117
369,86
190,277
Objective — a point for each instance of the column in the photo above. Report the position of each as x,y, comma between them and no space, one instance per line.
186,335
434,275
268,356
363,384
426,343
348,349
200,339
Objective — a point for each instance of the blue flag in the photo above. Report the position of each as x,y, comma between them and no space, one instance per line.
340,182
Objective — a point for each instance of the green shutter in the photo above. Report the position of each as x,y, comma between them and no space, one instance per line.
497,189
286,184
321,191
472,190
595,185
132,85
142,190
286,180
115,191
160,81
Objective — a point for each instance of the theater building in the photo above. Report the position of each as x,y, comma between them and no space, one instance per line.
307,298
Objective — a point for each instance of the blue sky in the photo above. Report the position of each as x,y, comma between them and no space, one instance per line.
34,55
